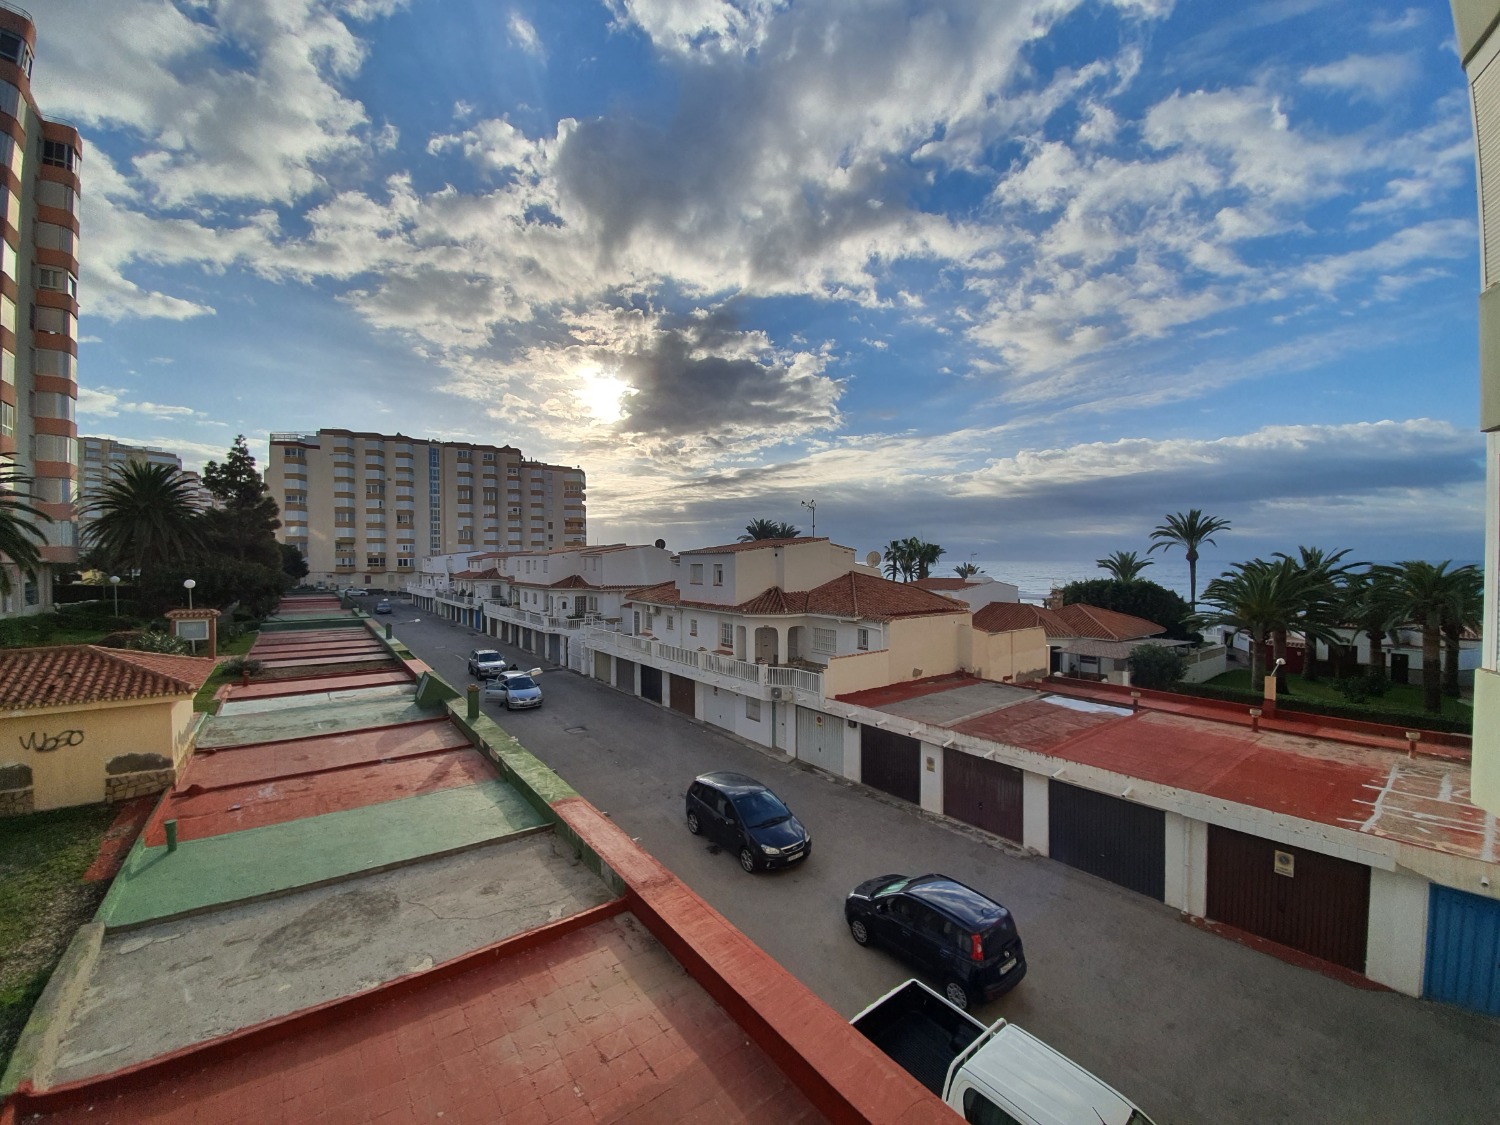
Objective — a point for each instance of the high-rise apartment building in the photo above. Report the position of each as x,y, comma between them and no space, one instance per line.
38,307
364,508
1477,22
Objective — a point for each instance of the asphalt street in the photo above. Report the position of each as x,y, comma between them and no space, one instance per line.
1193,1027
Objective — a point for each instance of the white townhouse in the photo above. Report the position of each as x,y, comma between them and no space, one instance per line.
753,637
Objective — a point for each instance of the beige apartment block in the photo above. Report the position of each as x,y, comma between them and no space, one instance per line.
365,508
1477,23
39,163
100,458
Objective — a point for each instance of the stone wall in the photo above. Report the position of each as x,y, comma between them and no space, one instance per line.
15,789
124,786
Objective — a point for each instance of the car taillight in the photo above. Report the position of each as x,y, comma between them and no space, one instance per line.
976,947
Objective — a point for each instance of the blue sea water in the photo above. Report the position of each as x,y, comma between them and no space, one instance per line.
1035,580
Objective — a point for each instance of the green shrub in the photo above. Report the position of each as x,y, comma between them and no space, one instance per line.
1156,667
159,642
1360,689
243,666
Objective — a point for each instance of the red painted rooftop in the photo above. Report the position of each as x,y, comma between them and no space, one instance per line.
1365,784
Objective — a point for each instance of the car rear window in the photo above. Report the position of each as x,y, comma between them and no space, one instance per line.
998,937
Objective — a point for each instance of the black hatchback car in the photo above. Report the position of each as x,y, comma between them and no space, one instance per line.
748,819
939,925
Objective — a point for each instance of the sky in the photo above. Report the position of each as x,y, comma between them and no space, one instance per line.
1017,278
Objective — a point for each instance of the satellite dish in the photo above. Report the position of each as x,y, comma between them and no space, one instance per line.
872,559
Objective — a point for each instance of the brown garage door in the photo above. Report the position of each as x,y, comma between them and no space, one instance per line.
603,667
1314,903
891,762
1109,837
983,793
684,696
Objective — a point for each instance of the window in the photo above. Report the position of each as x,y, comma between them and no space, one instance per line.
864,640
60,281
403,564
465,495
697,578
60,154
726,635
825,641
692,626
15,49
979,1110
466,455
670,622
489,457
752,709
343,517
375,562
718,574
293,454
403,519
7,420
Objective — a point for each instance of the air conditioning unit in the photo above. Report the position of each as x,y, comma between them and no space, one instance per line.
778,693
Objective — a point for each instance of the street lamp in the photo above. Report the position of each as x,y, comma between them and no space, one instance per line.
114,580
188,585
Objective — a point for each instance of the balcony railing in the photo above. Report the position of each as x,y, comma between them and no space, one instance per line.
739,675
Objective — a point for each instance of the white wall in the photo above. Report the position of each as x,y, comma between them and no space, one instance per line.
1035,812
930,764
1396,947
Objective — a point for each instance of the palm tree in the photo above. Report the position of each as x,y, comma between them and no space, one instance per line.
21,539
967,570
1370,606
1263,598
897,560
768,529
924,557
1325,574
1465,610
1425,593
1124,566
1190,532
144,518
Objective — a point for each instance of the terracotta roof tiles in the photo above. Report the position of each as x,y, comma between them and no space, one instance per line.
849,595
76,674
1005,617
1077,620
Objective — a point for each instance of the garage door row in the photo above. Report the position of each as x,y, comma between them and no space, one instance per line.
1307,901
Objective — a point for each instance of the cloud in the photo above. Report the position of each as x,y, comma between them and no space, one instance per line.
523,35
1371,77
106,402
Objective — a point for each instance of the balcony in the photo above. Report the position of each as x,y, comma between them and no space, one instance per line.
764,681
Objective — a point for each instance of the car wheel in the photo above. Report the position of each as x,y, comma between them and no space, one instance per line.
693,826
747,860
859,931
957,995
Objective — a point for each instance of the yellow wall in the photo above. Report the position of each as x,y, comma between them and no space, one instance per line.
1017,655
74,774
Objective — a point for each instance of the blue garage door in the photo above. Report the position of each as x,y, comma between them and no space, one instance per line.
1463,950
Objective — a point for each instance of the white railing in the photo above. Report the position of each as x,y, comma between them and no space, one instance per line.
762,676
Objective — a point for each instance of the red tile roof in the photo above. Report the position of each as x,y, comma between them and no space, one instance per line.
752,545
492,572
1077,620
850,595
942,583
74,674
1106,624
573,582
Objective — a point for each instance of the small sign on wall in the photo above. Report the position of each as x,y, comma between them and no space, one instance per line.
1286,864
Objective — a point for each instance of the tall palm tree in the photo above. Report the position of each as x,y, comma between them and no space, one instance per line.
144,517
967,569
768,529
1124,566
898,560
1424,592
20,537
1188,531
924,557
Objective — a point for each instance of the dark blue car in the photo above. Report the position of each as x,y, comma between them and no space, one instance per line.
749,820
968,943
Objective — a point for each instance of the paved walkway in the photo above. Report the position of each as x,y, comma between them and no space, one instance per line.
156,883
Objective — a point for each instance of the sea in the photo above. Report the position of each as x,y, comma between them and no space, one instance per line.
1035,580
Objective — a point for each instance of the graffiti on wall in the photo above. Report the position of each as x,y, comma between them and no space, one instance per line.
41,742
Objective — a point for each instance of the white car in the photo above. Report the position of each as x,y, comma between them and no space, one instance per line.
485,662
517,690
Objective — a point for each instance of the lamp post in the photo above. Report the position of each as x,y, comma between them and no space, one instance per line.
114,580
188,585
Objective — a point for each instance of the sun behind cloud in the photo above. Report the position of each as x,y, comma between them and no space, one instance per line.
602,394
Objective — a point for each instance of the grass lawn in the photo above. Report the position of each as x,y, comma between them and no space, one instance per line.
204,700
1399,699
42,858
